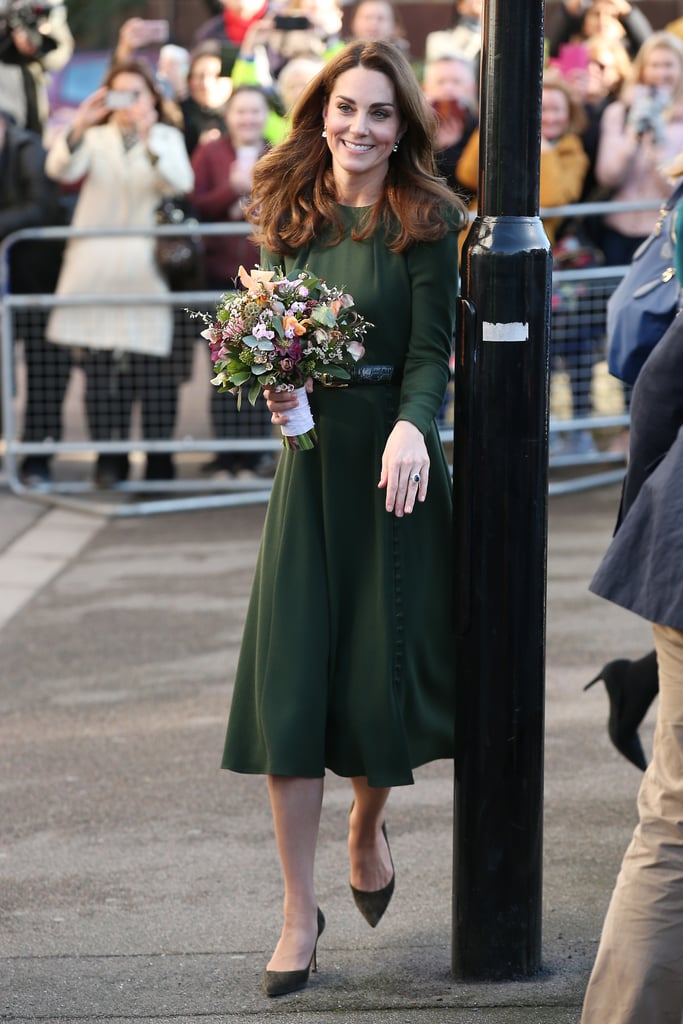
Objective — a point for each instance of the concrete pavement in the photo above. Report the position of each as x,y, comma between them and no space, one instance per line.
140,883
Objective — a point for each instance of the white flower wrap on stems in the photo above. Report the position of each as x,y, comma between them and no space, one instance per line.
300,418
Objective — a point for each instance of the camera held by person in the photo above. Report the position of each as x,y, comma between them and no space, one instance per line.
24,15
646,113
34,39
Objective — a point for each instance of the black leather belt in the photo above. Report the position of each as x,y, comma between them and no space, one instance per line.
363,374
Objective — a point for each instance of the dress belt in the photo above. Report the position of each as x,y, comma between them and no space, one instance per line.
367,373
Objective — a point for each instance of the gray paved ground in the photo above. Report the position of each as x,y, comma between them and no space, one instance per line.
140,883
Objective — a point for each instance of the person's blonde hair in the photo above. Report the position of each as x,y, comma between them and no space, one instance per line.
294,198
658,41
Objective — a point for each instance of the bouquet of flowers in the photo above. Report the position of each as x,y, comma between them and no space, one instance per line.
278,331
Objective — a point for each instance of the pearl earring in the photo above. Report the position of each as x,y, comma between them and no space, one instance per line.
324,131
395,147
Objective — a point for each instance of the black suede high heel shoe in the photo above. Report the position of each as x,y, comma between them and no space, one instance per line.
631,687
281,983
373,904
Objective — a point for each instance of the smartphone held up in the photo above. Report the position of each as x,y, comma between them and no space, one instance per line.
291,22
144,32
155,31
120,99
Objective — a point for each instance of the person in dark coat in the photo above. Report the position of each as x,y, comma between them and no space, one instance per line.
204,107
638,973
28,199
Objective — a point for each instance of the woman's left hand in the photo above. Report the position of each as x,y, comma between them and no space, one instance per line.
404,458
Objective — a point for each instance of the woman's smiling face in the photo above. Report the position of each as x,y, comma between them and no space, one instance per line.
363,123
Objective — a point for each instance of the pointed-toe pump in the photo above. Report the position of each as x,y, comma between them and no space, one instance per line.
373,904
631,687
281,983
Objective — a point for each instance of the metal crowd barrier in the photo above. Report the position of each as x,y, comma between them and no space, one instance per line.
589,415
578,442
72,455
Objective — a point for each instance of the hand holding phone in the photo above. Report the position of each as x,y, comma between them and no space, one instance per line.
137,33
120,99
154,31
291,22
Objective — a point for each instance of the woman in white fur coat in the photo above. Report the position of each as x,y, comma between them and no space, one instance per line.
127,159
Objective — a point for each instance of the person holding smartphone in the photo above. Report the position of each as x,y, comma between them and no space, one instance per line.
641,133
35,39
304,28
139,34
127,158
450,85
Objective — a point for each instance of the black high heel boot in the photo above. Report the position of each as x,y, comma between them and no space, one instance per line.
631,687
373,904
281,983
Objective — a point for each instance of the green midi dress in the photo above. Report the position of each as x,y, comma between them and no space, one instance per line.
346,661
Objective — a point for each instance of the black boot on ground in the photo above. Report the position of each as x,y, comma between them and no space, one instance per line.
111,469
160,466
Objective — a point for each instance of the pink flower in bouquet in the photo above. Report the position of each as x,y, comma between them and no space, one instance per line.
261,331
215,340
343,302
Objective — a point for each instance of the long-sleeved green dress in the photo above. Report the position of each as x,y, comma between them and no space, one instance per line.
347,655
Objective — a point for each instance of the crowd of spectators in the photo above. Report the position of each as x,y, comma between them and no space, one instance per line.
612,122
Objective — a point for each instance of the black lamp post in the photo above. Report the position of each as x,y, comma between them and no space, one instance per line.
500,471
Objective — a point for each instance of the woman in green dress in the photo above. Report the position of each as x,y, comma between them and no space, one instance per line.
346,659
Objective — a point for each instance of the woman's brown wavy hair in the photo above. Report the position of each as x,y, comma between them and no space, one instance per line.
293,197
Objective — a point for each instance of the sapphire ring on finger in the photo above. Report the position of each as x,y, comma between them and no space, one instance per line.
415,478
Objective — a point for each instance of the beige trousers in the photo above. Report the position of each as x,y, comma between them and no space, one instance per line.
638,972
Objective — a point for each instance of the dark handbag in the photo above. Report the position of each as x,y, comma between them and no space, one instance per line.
179,257
645,302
